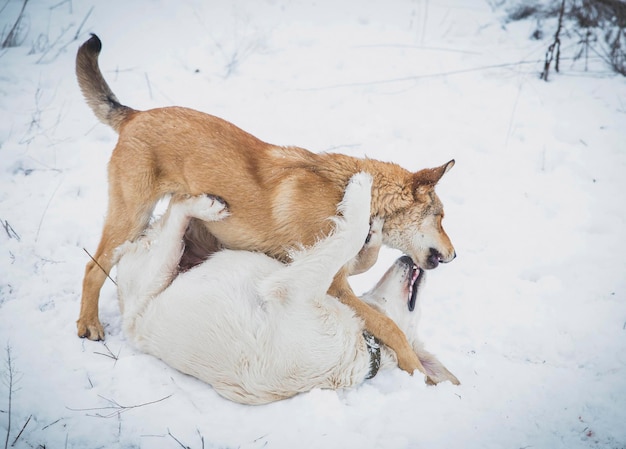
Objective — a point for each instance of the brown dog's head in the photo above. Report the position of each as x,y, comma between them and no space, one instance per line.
416,228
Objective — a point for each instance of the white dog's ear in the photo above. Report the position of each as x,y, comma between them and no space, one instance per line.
434,368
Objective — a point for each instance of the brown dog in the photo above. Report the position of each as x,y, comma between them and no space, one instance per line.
278,197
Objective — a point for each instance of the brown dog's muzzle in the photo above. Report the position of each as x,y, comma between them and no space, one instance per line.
435,258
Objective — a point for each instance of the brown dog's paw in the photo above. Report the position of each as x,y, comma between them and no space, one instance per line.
93,331
409,362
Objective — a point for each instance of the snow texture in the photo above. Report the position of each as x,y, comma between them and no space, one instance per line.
531,316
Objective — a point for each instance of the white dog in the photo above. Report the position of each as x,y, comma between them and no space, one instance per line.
258,330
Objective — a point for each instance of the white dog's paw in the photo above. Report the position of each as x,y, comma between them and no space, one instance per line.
357,197
362,179
367,256
375,236
207,207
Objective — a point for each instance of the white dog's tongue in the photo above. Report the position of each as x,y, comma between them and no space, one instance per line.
415,274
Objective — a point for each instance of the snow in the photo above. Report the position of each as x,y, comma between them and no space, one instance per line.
531,316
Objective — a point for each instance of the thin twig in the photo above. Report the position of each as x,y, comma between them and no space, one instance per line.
417,77
149,86
117,408
420,47
100,266
55,6
21,431
80,27
11,39
4,6
35,120
10,374
110,354
46,210
9,230
51,424
177,440
511,120
201,438
53,44
424,22
555,45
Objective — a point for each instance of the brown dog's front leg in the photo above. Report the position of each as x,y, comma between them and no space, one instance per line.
378,324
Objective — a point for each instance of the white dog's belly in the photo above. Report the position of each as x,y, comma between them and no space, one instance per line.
210,323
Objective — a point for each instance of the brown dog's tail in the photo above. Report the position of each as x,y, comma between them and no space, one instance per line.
95,89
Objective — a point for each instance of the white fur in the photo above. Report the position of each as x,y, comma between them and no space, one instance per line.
253,328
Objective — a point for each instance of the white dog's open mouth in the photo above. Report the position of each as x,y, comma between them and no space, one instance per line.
414,279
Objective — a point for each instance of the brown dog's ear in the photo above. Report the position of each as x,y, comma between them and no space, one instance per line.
429,177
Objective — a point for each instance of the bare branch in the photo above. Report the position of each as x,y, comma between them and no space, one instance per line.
418,77
117,409
51,424
201,438
80,27
99,266
53,44
11,379
177,440
12,37
149,86
9,230
556,45
46,210
21,431
4,6
63,2
110,353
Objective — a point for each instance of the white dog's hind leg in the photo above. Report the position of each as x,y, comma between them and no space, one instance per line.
148,265
312,270
166,247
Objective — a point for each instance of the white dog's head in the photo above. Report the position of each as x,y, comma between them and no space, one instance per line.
397,294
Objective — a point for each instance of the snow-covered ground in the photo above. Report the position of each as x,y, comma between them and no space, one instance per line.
531,316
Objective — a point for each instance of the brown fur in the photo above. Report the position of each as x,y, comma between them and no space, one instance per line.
278,197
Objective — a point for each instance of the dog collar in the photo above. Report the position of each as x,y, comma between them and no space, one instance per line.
373,347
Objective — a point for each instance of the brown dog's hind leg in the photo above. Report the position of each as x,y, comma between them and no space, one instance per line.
378,324
88,324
